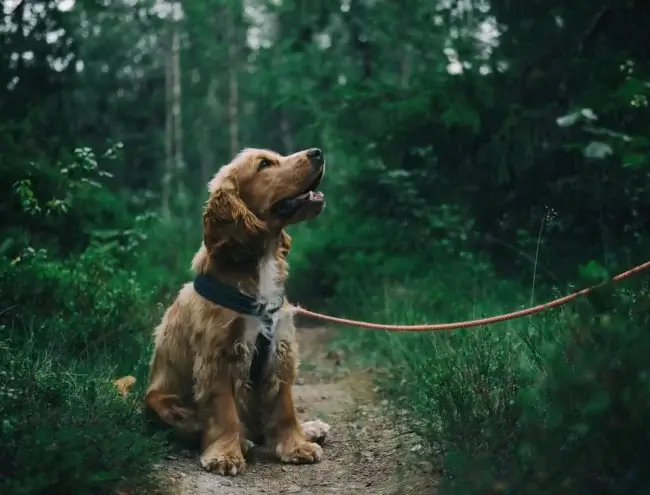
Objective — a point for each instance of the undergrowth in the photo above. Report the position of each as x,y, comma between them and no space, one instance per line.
555,403
82,276
549,404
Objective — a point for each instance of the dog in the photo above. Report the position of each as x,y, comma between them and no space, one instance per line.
225,356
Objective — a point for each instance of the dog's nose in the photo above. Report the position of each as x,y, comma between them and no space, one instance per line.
316,156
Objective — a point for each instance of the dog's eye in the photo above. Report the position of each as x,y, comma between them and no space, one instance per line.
264,163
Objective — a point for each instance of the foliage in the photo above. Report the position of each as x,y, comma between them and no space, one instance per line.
64,428
552,404
78,304
493,154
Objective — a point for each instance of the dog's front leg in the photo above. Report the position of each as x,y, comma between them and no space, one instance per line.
282,428
222,434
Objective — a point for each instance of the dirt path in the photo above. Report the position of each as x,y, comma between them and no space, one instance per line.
364,452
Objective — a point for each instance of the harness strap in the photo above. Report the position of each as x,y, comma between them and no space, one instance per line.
228,297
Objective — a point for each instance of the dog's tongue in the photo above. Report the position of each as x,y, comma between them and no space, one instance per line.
311,196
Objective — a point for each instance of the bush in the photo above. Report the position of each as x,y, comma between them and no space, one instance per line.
66,430
557,403
81,308
81,280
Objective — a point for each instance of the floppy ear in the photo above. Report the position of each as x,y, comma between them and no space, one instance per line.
281,253
226,218
284,244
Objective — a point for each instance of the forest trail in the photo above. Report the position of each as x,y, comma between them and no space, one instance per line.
365,452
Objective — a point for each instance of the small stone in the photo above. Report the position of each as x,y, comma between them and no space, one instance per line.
284,469
317,430
336,355
300,381
172,457
300,409
292,489
384,402
226,483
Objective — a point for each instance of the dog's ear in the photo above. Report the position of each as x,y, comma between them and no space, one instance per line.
284,244
282,251
227,219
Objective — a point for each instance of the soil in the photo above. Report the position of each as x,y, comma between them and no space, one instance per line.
365,452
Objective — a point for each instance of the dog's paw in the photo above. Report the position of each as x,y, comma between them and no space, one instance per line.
316,431
302,453
223,464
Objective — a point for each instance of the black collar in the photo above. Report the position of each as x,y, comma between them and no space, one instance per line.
231,298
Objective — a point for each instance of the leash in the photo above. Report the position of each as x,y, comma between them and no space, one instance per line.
472,323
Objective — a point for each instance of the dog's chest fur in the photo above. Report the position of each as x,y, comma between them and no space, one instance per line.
269,291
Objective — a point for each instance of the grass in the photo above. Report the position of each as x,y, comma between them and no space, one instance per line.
65,429
69,326
533,405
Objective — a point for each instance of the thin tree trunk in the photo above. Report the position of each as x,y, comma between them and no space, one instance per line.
407,66
174,161
179,163
285,130
169,157
204,130
233,86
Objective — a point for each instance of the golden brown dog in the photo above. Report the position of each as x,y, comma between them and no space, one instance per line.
201,381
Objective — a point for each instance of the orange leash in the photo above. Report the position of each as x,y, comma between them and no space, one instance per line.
470,323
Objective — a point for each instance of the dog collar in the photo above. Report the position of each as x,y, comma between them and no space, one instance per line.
228,297
231,298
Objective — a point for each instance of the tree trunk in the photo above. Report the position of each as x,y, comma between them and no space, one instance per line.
204,131
169,129
179,162
285,130
174,161
233,86
407,66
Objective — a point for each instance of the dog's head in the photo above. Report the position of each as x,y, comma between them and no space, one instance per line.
260,192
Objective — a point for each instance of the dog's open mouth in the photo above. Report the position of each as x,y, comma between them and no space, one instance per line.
310,196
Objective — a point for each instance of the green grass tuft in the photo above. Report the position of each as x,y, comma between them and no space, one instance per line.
555,403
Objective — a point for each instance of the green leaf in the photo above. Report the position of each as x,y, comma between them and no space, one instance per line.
598,402
598,150
593,271
635,160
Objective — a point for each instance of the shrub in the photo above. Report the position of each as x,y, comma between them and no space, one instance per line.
65,429
553,404
80,282
81,308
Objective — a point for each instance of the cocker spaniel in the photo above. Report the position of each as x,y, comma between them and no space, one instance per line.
225,355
